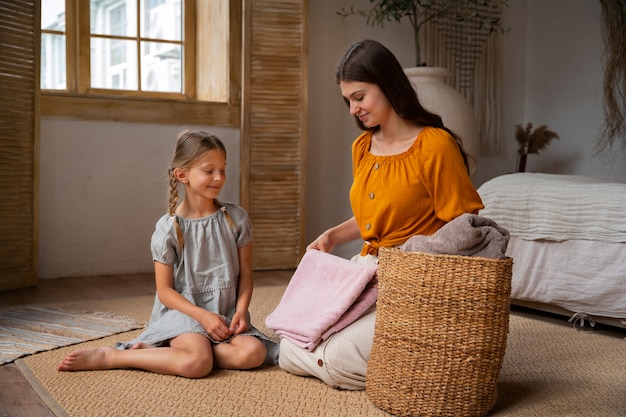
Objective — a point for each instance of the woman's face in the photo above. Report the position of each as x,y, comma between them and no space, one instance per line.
367,102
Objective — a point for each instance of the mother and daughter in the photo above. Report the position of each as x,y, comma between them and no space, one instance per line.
411,177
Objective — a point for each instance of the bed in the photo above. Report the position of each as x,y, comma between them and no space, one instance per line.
568,243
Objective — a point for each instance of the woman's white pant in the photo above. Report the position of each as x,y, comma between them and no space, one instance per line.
340,361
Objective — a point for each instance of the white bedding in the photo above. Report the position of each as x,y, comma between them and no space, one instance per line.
568,239
557,207
581,276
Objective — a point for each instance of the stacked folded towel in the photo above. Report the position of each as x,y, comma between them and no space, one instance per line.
325,294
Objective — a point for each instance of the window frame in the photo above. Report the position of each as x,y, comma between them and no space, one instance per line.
79,101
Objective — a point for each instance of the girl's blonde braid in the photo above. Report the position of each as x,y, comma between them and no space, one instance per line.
226,215
171,209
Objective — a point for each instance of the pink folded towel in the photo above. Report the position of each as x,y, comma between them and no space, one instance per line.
325,294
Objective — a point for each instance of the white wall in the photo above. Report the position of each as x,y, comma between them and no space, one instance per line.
102,188
551,72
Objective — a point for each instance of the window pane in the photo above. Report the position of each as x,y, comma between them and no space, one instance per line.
161,19
52,70
53,62
161,67
113,64
53,15
114,18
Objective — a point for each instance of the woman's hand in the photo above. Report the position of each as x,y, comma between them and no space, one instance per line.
215,326
239,324
323,243
342,233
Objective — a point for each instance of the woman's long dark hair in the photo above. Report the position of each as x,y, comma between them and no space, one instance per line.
369,61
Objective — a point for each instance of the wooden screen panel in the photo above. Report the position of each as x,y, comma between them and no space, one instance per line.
19,84
274,129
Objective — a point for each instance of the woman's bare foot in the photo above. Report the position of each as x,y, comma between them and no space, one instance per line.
86,360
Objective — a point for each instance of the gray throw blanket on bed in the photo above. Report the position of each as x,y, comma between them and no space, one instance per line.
467,235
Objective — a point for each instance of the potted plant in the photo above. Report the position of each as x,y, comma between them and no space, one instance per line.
531,141
463,14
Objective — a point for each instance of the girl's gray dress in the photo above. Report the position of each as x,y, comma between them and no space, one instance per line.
206,274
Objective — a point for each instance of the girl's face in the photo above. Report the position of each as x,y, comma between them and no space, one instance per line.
207,175
367,102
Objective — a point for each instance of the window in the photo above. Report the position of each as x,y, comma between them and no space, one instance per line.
165,61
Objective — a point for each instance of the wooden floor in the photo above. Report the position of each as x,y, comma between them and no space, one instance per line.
17,398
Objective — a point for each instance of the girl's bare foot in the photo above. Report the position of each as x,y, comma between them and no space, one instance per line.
86,359
141,345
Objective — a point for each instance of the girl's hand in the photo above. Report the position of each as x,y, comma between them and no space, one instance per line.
215,326
239,324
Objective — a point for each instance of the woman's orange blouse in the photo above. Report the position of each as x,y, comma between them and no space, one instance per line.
415,192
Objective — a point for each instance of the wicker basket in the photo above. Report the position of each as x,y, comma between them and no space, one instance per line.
440,335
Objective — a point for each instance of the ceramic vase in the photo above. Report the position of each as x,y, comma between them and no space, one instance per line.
456,112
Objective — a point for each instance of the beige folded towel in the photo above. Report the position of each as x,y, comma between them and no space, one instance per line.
466,235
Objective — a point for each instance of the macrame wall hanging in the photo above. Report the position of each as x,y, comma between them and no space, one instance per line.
472,57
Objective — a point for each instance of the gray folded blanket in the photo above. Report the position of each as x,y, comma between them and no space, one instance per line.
466,235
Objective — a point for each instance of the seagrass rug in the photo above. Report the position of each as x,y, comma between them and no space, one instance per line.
31,329
548,370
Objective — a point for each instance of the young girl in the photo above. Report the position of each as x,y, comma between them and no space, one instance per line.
203,272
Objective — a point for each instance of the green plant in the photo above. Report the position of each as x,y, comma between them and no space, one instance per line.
532,141
463,14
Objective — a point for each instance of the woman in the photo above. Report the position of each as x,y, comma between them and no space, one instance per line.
410,177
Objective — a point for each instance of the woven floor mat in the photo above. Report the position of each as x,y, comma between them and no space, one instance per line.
548,370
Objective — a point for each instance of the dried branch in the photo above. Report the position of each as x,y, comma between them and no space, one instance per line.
533,141
614,36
